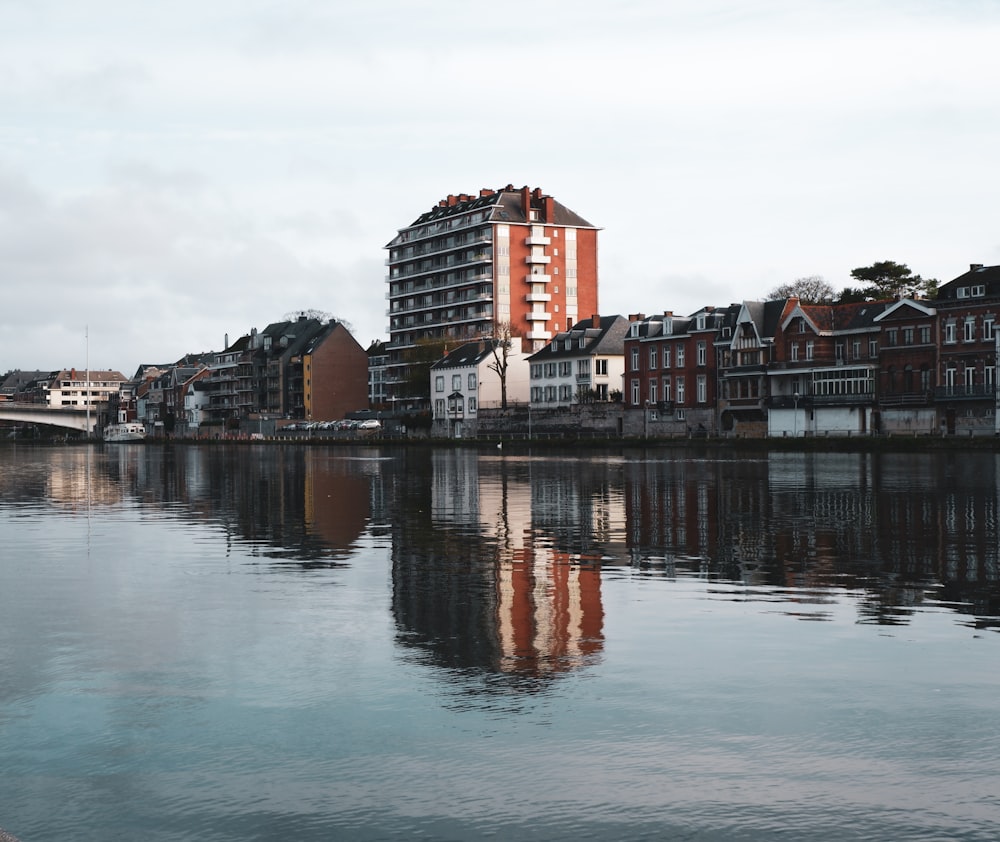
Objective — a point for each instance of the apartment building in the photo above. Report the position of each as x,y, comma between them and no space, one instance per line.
510,256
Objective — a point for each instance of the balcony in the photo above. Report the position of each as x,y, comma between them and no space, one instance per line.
538,317
533,259
538,278
957,393
532,297
532,240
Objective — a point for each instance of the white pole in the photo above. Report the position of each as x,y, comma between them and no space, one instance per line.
86,333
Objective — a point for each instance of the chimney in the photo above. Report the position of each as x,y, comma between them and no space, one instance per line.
485,192
974,266
549,204
636,317
595,320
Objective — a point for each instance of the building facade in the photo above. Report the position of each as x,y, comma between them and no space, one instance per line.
513,257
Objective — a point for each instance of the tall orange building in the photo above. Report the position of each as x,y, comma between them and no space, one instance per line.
508,256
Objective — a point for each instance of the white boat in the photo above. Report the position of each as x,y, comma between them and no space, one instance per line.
124,431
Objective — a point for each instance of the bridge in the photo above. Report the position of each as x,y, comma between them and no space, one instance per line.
71,417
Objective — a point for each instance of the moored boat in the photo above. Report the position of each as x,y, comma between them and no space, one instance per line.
125,431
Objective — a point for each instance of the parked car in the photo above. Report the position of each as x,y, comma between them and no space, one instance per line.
370,424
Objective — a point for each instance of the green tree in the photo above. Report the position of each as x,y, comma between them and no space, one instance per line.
887,280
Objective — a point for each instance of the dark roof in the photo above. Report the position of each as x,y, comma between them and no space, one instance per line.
988,276
606,337
503,205
469,354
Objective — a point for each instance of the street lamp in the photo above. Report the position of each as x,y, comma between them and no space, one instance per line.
795,416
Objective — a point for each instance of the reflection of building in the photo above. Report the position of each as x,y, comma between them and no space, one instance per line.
549,612
478,584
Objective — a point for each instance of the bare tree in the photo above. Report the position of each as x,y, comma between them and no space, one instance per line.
812,289
500,345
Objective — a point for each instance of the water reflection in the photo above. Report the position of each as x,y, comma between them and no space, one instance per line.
497,557
480,582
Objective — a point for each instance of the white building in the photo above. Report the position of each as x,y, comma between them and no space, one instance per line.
467,380
81,388
581,365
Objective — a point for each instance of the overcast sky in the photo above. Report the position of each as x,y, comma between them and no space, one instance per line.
172,173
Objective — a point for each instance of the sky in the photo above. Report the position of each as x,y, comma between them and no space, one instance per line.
174,174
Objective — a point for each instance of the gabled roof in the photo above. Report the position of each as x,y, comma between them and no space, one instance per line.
469,355
833,318
899,308
978,275
764,316
604,335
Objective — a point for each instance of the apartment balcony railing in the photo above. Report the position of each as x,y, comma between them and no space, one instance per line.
907,399
979,391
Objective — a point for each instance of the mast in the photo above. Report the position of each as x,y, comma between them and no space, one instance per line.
86,399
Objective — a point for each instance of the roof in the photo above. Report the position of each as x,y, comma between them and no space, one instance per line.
599,334
842,317
470,354
503,205
978,275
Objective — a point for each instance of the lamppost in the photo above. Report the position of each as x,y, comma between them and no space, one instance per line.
795,416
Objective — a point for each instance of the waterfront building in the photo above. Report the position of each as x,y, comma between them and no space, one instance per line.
671,370
467,380
509,257
822,378
584,364
907,358
77,387
966,394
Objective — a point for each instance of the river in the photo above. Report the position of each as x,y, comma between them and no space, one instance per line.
317,643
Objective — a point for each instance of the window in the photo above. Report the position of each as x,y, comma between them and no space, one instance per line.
666,356
925,334
950,332
872,348
970,329
666,389
439,383
456,382
565,368
839,351
795,352
536,371
856,349
978,290
635,359
970,376
680,390
565,392
989,375
472,404
988,328
550,369
702,388
680,356
439,407
810,347
652,356
652,391
472,383
702,350
635,393
891,336
601,367
907,335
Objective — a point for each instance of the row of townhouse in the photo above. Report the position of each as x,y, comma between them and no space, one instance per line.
784,368
299,369
755,369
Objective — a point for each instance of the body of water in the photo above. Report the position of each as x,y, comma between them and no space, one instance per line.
285,643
